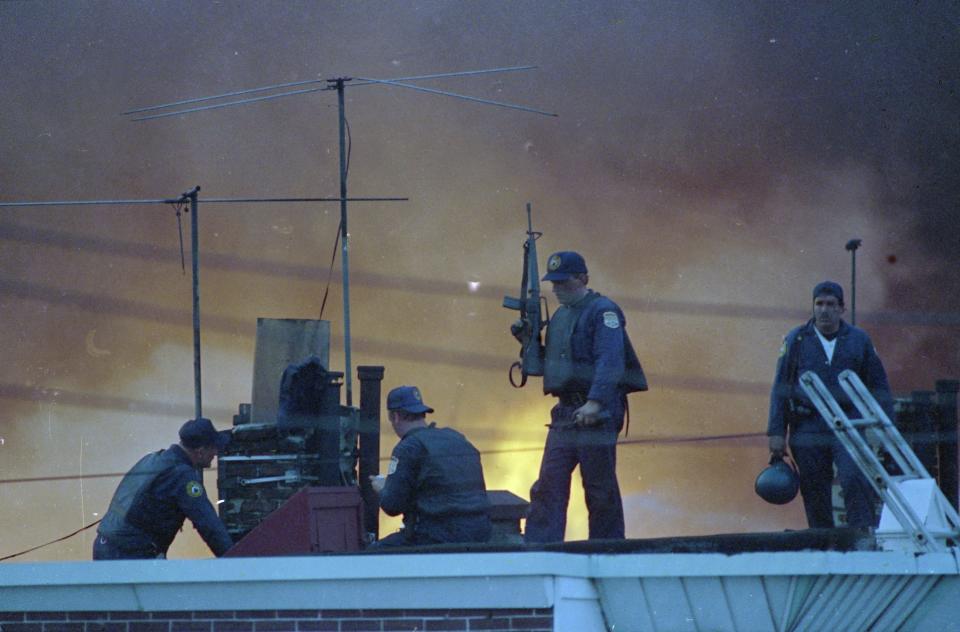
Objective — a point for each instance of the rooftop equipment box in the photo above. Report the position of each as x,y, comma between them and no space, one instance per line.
314,520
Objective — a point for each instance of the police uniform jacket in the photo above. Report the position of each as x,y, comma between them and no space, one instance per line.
802,351
434,473
152,501
585,354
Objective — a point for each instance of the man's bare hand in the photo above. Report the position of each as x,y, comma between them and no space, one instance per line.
588,414
377,482
777,445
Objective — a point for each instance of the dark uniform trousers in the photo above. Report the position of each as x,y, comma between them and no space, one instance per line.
815,453
440,530
585,358
813,444
595,451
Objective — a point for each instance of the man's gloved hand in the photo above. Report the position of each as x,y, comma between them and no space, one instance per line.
377,482
520,331
589,414
778,445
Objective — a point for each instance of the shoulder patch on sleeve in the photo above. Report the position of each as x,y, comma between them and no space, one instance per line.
194,489
611,320
392,467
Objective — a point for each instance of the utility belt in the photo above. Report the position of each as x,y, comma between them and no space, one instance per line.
799,411
574,399
132,551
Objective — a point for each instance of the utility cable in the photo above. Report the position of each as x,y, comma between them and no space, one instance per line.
663,440
333,258
631,442
178,208
336,242
40,546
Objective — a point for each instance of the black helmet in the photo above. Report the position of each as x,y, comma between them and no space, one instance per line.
779,482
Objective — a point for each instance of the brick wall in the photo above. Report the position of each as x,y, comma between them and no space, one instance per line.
488,620
243,507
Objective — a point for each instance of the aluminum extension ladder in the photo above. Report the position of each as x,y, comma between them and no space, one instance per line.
915,511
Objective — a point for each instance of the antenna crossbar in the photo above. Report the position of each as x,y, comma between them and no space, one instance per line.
205,201
502,104
235,93
366,82
443,75
216,106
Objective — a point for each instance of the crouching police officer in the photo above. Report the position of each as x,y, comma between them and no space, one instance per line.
434,479
155,496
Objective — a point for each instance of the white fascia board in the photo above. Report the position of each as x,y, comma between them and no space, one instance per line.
239,570
477,580
388,581
388,594
775,564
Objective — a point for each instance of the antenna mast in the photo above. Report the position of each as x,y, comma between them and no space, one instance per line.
344,240
337,84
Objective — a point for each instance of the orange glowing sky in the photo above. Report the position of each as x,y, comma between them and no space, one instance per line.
709,160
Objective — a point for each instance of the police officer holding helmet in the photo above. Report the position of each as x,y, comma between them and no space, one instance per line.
589,366
434,479
826,345
155,497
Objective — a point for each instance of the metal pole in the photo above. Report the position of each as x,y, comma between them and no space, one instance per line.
195,247
371,378
853,287
345,246
852,246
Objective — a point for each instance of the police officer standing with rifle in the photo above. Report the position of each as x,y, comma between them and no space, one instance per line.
589,365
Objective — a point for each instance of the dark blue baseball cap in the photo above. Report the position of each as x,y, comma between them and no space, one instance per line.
563,265
200,433
830,288
407,398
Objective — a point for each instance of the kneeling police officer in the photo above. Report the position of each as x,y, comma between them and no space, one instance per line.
155,497
434,479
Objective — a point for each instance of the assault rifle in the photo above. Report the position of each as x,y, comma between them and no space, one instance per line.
531,323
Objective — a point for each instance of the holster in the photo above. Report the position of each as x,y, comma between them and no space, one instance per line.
795,411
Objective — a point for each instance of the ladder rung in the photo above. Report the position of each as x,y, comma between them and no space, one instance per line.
900,478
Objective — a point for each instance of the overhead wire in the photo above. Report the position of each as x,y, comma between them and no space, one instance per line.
662,440
60,239
625,442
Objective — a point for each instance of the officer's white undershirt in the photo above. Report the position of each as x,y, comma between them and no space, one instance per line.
828,345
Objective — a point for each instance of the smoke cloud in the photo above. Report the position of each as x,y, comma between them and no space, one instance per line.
710,161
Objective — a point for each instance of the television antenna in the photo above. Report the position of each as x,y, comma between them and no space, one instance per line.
191,197
339,84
